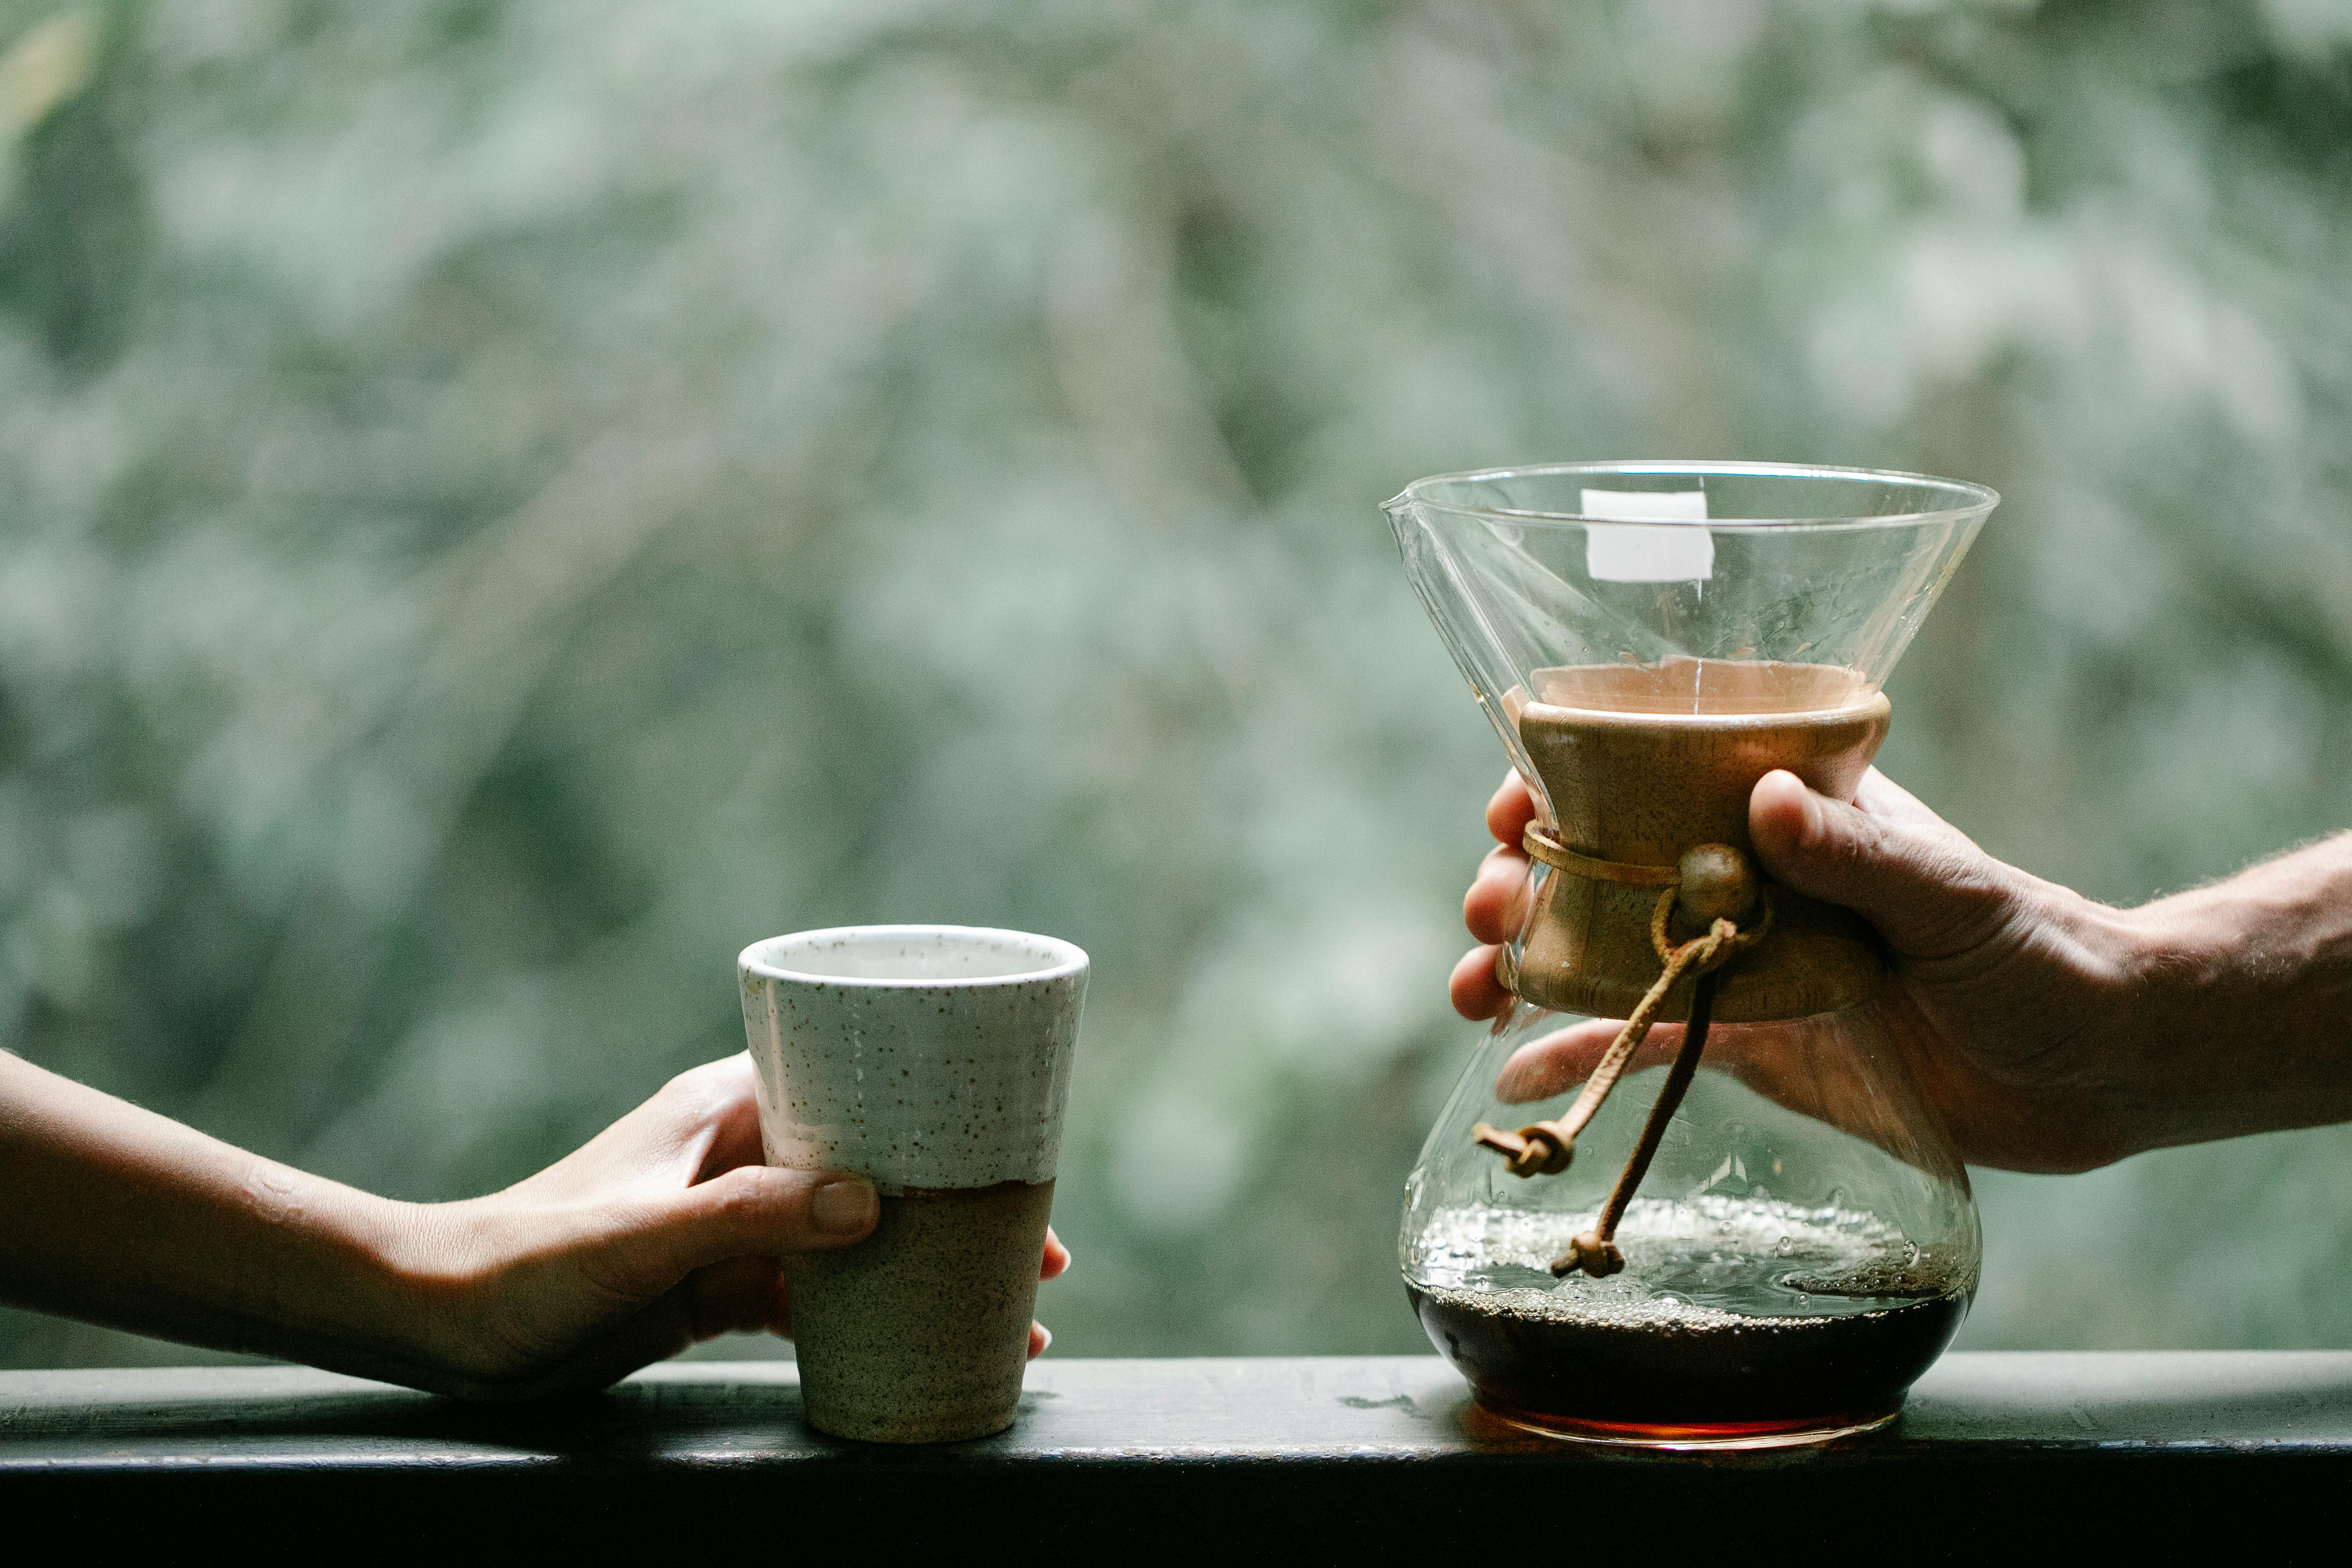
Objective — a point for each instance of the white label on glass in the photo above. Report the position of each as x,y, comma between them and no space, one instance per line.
1670,553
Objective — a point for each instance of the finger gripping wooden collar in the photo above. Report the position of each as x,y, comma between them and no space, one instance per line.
1715,885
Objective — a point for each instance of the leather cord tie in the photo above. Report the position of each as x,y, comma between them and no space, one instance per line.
1542,845
1714,882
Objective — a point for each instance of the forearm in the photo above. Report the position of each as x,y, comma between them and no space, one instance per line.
117,1215
2246,1017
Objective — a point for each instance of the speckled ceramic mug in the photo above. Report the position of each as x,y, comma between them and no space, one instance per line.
934,1060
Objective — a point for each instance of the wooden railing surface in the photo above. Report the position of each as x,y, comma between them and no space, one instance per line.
1320,1459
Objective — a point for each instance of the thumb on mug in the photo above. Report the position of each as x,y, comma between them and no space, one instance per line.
752,1211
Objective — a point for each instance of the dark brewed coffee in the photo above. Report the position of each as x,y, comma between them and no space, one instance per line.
1734,1319
1746,1376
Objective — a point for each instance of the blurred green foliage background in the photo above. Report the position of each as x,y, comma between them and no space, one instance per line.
504,501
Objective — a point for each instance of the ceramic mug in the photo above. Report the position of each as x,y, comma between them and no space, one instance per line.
935,1062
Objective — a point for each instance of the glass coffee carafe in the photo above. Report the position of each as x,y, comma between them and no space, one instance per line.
1686,1193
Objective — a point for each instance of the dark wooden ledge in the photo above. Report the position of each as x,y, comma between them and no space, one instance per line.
1320,1458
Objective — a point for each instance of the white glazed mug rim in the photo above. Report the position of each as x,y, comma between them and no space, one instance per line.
955,1080
1061,959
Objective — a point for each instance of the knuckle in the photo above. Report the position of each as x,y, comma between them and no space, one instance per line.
682,1088
700,1091
739,1197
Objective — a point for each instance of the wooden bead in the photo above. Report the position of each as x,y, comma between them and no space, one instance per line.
1718,883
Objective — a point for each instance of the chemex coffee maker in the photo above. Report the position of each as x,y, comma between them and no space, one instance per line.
1686,1194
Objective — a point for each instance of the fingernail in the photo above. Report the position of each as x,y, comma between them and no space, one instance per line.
843,1207
1810,834
1048,1336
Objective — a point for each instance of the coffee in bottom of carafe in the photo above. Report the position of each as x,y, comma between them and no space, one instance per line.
1753,1379
1732,1340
